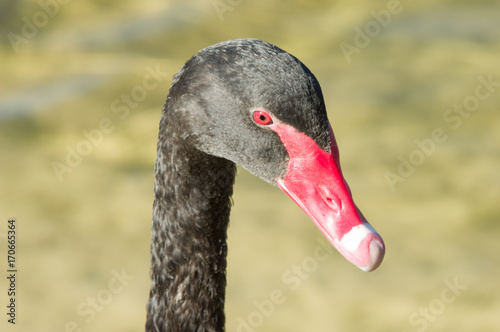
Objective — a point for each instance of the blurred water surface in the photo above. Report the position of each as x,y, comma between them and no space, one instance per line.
78,129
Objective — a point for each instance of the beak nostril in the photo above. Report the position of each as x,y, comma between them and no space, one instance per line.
331,199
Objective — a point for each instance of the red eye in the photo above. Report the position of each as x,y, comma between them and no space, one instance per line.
262,118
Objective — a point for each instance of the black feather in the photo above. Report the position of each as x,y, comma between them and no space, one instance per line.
205,128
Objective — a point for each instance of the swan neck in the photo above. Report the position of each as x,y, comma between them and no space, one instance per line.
188,247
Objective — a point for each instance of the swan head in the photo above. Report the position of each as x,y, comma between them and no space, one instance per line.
252,103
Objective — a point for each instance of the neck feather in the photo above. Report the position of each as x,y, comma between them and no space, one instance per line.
188,247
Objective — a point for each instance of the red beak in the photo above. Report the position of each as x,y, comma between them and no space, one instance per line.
314,181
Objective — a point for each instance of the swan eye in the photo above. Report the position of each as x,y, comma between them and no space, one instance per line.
262,118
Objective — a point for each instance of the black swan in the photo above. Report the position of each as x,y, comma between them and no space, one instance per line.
248,102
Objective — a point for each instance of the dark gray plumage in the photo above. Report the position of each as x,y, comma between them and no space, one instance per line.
206,127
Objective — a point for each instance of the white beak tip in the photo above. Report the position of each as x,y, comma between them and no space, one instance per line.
377,252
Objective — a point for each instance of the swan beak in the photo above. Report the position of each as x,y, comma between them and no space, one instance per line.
315,182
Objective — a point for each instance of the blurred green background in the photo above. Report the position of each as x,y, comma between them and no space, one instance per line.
393,72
